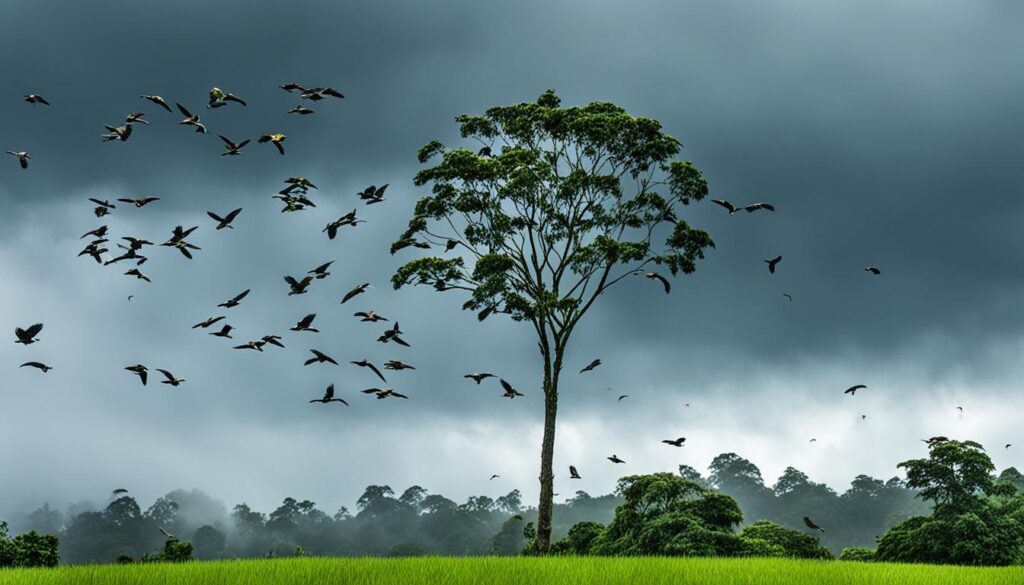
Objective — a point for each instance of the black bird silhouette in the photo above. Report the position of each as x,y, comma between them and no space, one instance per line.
158,101
232,148
225,222
23,157
1008,445
137,274
329,397
275,139
366,364
788,296
27,336
495,476
810,524
623,396
141,201
117,133
615,459
319,357
356,291
320,272
167,534
933,441
756,206
873,270
97,233
136,118
961,409
591,366
301,110
255,345
369,316
732,208
140,370
852,390
208,322
393,335
34,99
119,491
298,287
225,331
397,365
171,378
479,376
373,194
510,391
38,365
305,323
573,474
233,302
675,443
383,393
664,281
771,263
272,340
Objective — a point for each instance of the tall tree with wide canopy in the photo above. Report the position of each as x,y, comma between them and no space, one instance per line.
556,206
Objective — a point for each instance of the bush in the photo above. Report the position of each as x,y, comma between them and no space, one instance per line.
579,540
791,543
857,553
28,550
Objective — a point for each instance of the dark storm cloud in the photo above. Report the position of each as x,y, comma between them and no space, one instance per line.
884,134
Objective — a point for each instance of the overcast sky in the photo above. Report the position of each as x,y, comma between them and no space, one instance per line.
885,134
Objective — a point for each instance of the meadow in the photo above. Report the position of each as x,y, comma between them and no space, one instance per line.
513,571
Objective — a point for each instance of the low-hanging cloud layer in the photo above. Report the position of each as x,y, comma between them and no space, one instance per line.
884,134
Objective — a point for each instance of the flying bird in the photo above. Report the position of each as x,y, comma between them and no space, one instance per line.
756,206
873,270
369,316
38,365
852,390
591,366
788,296
272,340
167,534
771,263
329,397
573,474
232,148
255,345
298,287
961,409
137,274
301,110
732,208
319,357
356,291
479,376
320,272
495,476
119,491
393,335
191,119
397,365
615,459
171,378
933,441
225,332
136,118
383,393
810,524
664,281
27,336
510,392
676,442
366,364
305,323
373,194
275,139
23,157
1008,445
158,101
141,201
139,370
224,222
219,97
623,396
117,133
208,322
34,99
233,302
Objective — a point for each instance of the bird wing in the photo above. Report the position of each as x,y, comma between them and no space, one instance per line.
184,111
242,295
280,147
664,281
376,371
508,387
227,141
329,393
168,375
290,280
34,330
215,217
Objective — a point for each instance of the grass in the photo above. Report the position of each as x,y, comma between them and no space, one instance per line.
513,571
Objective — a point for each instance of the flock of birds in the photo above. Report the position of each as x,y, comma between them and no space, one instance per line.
295,195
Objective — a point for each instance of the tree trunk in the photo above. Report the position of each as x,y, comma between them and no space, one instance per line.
547,454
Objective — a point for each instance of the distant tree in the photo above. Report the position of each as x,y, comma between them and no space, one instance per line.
741,480
413,496
509,540
511,502
559,205
1011,476
209,542
690,474
857,553
174,551
580,539
29,549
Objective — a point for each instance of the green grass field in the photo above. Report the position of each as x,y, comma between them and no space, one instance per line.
513,571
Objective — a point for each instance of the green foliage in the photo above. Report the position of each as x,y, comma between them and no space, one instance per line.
952,476
579,540
30,549
858,553
573,193
966,528
664,514
764,538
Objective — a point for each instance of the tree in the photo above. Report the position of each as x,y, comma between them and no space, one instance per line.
952,476
764,538
558,206
30,549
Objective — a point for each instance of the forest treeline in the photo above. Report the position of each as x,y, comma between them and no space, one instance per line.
385,522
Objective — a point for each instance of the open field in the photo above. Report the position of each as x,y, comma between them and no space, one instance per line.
513,571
